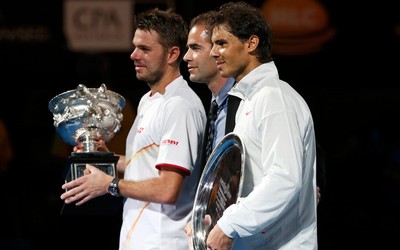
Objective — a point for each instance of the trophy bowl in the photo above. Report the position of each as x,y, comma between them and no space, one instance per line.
85,115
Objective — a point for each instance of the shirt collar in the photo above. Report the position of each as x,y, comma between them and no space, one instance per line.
223,93
251,81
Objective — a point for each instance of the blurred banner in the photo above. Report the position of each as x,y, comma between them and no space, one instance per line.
98,25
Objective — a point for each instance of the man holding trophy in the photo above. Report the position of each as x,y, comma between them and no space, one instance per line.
160,168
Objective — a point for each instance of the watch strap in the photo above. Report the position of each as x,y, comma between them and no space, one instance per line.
113,187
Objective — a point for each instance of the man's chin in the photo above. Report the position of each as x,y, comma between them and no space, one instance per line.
194,78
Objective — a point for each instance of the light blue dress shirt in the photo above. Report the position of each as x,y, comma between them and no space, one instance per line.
221,98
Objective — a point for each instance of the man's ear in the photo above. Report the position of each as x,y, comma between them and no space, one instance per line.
173,54
253,42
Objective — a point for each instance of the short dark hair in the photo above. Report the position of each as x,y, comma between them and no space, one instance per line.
244,20
170,26
206,19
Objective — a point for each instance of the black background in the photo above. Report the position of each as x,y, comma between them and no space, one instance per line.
351,86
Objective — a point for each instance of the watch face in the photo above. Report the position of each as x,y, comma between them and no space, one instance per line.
113,187
114,191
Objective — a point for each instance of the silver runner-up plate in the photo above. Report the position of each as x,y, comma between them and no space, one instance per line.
220,186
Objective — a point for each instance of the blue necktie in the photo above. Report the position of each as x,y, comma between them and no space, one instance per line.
211,120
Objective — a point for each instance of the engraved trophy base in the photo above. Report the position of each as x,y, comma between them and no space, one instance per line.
105,161
102,205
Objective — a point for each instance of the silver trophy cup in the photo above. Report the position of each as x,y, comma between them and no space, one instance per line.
84,116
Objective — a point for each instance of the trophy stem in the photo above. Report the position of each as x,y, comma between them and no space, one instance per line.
88,137
89,143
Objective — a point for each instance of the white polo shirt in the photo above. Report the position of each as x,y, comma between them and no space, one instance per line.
168,130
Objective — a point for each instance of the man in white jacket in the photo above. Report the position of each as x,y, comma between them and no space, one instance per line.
277,207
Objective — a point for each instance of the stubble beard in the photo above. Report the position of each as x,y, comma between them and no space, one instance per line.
151,78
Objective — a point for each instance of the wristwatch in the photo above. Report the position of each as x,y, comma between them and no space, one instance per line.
113,187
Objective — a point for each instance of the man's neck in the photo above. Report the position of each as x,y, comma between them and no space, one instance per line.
216,86
164,82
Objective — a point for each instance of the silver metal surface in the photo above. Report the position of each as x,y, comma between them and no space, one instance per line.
85,115
220,186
